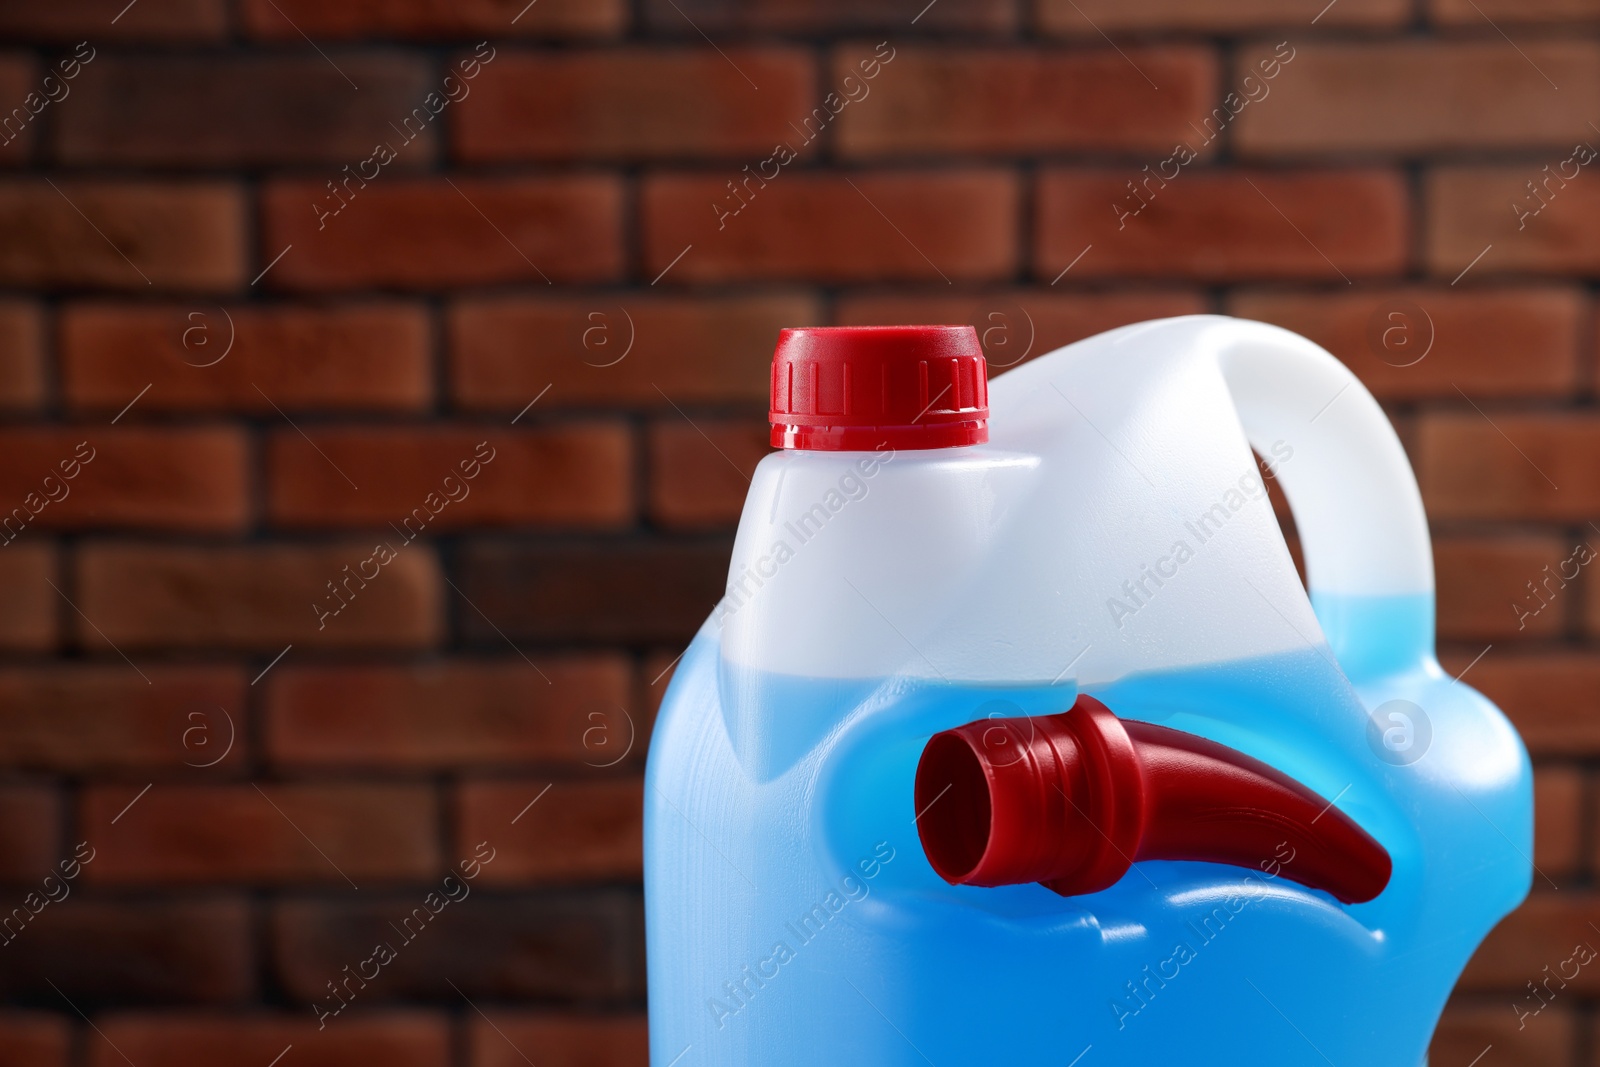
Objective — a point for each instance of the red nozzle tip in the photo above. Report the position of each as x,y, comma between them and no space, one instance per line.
1072,800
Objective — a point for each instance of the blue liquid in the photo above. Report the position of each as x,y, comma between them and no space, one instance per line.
793,919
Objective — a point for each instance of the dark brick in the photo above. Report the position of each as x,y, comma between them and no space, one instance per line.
656,677
243,110
1472,1028
1482,579
171,1039
1010,101
566,475
186,236
30,611
644,351
1091,18
346,833
1430,341
1454,13
30,831
368,356
1416,97
558,946
825,16
96,717
457,713
34,1039
22,375
597,590
1015,325
562,1040
1222,225
428,20
165,949
168,21
95,477
1487,464
1558,801
1485,219
255,597
823,226
1549,696
700,471
579,831
18,120
428,233
1542,932
640,103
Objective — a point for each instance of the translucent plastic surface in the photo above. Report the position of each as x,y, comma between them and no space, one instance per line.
791,915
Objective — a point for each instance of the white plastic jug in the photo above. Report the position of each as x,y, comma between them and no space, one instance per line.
1111,538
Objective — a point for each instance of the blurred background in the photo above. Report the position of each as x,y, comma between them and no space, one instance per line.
382,380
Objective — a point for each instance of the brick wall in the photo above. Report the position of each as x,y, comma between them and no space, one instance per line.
272,270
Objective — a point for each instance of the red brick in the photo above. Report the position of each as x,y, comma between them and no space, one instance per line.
647,352
586,831
277,834
565,709
243,110
132,950
29,608
370,356
700,471
1223,225
427,233
1551,697
1512,12
1428,341
1482,579
1089,18
22,382
100,20
571,474
1420,96
614,590
636,103
1558,805
257,597
186,236
1540,933
561,1040
1005,101
34,1039
93,717
1469,1029
824,17
19,78
834,227
656,676
428,20
160,479
1470,467
1471,209
1015,325
30,829
174,1039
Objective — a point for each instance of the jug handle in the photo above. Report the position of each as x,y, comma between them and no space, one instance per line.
1369,563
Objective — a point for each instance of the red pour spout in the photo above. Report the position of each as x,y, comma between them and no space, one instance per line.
1073,800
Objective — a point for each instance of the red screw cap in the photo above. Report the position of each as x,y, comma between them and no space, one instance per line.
864,388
